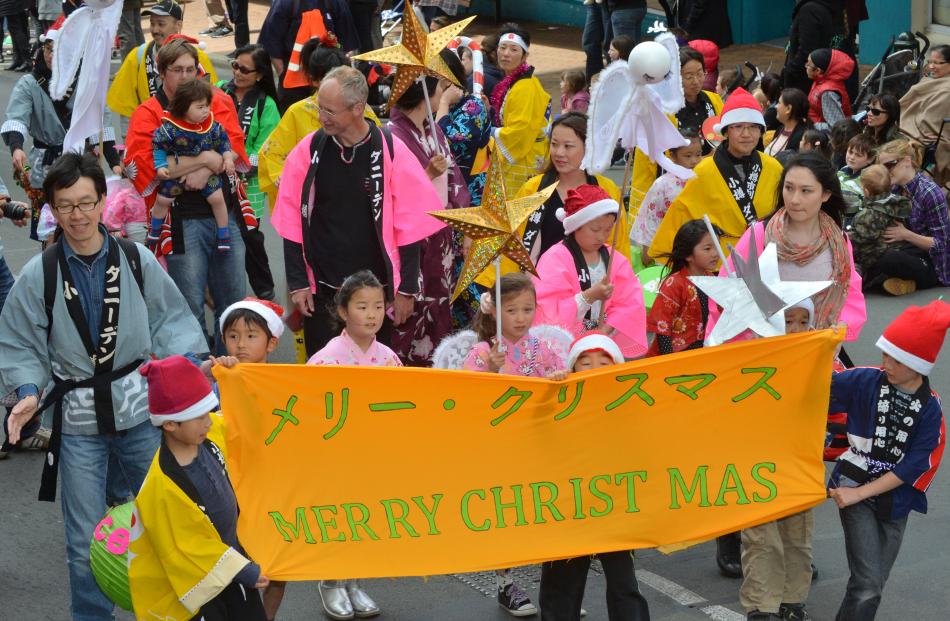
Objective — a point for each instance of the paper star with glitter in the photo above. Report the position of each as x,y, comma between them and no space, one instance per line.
756,299
417,53
494,227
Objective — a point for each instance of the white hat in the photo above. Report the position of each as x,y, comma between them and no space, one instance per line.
594,341
269,311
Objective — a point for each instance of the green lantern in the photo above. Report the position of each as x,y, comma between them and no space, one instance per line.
109,554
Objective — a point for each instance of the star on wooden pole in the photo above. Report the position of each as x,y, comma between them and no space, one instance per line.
417,53
494,227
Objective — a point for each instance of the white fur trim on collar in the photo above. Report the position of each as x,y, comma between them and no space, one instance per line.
274,323
593,342
510,37
207,404
924,367
588,213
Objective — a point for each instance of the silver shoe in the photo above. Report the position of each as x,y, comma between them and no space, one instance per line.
363,604
336,602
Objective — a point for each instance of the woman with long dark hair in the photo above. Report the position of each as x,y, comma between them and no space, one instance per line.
883,118
255,98
792,114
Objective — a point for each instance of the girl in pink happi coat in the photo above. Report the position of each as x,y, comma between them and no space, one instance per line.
361,306
523,354
573,285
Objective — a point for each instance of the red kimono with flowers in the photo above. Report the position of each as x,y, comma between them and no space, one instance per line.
677,313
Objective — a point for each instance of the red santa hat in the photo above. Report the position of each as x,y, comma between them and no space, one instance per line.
177,391
741,107
195,42
585,203
53,33
915,337
270,312
594,341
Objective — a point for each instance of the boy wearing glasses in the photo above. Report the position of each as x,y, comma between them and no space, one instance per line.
79,322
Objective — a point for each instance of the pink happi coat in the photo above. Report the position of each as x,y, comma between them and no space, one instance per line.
557,287
408,195
344,350
854,312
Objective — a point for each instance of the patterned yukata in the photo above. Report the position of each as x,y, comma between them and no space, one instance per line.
529,357
183,139
661,195
431,319
679,315
344,350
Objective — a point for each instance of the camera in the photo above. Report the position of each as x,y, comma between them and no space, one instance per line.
15,210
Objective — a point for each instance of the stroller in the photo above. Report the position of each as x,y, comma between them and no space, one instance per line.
901,66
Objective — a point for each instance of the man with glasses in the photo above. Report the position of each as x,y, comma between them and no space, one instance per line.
138,77
77,325
365,199
194,263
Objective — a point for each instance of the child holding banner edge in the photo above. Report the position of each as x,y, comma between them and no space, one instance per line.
524,355
897,436
360,307
562,582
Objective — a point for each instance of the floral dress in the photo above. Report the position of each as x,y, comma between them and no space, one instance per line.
679,316
529,357
657,200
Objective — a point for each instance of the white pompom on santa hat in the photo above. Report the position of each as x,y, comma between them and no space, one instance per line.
915,337
269,311
593,341
741,107
177,391
584,204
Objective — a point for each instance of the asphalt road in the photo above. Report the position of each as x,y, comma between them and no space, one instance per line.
680,587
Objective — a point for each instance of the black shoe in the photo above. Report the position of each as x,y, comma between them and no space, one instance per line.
814,572
24,67
516,601
221,31
755,615
728,555
208,30
232,55
793,612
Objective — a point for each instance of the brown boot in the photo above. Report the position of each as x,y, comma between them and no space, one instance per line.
899,286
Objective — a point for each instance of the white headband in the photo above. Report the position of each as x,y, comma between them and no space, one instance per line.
510,37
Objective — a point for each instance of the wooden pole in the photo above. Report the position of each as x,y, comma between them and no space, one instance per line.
627,173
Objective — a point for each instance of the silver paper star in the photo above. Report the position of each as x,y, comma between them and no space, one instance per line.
756,299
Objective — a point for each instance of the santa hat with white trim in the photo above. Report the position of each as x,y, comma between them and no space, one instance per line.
594,341
269,311
741,107
177,391
585,203
53,33
915,337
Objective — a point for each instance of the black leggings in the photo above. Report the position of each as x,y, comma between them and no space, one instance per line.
234,603
906,263
562,588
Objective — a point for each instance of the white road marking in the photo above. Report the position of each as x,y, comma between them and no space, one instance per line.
684,597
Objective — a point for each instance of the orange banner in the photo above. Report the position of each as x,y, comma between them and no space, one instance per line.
346,472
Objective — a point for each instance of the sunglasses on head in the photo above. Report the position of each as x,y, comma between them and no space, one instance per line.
890,165
875,111
237,67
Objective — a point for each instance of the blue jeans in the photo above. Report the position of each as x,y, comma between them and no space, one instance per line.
872,544
85,476
6,281
201,266
627,22
601,27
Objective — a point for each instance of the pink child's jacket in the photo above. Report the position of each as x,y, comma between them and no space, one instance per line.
408,195
557,286
854,313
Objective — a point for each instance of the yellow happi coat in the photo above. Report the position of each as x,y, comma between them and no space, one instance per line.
178,562
129,88
707,193
523,139
299,120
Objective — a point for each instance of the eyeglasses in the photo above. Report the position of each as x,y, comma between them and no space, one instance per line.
696,76
875,111
182,70
237,67
331,113
67,208
890,165
746,129
937,62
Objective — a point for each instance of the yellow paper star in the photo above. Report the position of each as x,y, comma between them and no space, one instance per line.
416,53
494,227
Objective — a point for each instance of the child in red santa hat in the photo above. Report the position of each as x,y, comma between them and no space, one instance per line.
573,283
562,582
897,435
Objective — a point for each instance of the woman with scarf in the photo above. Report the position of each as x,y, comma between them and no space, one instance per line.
32,112
255,99
521,109
698,106
300,118
431,320
464,119
806,229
